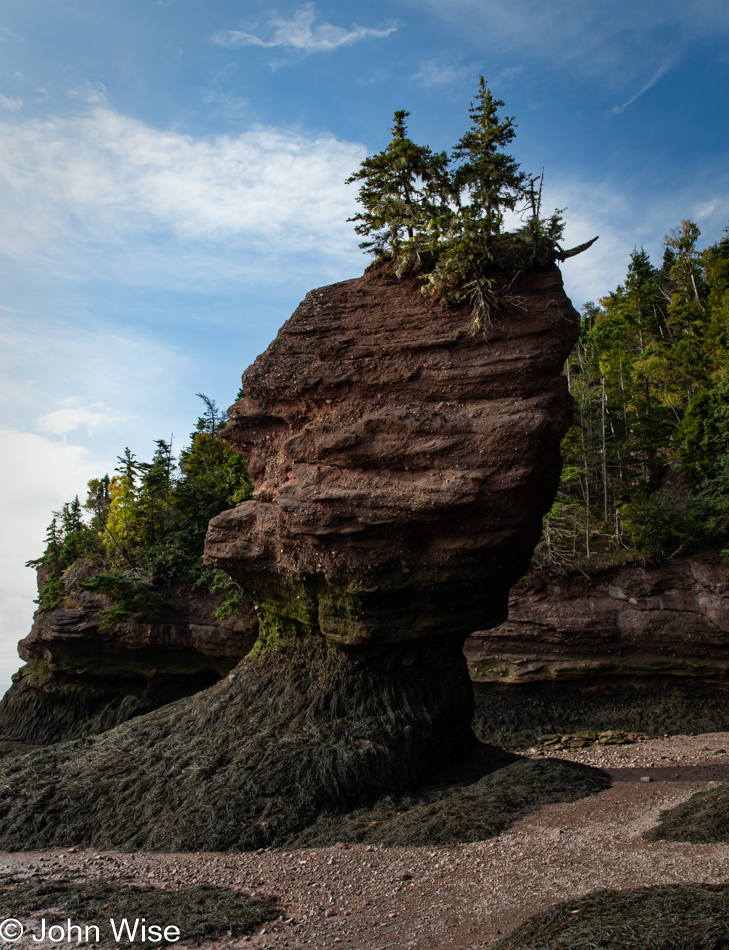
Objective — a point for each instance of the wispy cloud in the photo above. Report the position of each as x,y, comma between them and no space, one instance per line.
299,33
11,104
103,177
434,73
661,71
613,41
71,417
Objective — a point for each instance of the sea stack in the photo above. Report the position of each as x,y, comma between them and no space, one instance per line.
402,466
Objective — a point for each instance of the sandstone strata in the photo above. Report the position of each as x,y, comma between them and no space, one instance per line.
671,618
402,465
80,679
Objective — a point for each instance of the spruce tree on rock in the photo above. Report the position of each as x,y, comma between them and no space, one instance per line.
404,190
487,181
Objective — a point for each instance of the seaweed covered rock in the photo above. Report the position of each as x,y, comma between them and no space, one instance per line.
291,740
673,917
287,736
84,675
703,819
402,467
202,912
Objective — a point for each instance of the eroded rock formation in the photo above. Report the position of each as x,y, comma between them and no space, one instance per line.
671,618
402,467
81,679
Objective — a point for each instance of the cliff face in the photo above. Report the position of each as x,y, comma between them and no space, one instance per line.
80,679
401,465
671,618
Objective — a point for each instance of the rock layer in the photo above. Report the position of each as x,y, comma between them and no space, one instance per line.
80,679
402,465
670,618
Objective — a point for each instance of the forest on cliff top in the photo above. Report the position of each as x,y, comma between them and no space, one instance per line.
646,461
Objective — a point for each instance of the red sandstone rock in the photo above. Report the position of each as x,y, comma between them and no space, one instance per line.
81,680
402,466
671,617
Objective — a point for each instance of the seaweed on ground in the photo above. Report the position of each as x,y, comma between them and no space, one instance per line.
703,819
200,912
680,917
252,761
455,813
515,716
293,738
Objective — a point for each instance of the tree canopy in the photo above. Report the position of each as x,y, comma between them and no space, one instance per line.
143,529
647,458
441,217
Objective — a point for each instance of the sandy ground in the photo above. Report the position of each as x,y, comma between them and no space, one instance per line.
459,897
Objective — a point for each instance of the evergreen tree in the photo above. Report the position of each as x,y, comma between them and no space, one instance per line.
647,457
487,181
404,191
442,218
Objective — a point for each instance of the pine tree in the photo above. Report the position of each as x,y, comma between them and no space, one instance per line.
404,191
488,181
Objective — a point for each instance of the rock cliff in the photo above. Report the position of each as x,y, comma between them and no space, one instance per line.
402,465
402,468
669,618
80,679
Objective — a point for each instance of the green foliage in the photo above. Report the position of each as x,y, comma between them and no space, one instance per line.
404,191
658,524
441,217
68,538
647,457
130,596
148,521
232,597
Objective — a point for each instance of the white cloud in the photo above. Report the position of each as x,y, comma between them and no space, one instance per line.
298,33
37,477
71,418
434,73
661,71
101,178
12,105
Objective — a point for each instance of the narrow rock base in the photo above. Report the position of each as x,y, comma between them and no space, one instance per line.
291,735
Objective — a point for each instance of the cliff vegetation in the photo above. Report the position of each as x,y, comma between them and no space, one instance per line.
646,471
141,531
441,217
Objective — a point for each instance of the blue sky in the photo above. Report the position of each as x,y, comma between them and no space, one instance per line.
171,185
